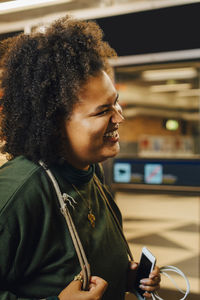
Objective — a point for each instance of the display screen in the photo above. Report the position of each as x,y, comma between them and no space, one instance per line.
163,172
143,271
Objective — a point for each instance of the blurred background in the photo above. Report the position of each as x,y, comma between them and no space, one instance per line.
156,177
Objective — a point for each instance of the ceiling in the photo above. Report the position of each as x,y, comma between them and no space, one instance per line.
19,19
137,95
172,92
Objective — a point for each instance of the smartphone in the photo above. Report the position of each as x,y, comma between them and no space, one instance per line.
146,265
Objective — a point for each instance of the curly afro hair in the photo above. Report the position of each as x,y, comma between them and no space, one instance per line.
43,73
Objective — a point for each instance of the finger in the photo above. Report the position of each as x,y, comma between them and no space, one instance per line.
133,265
149,288
156,279
76,285
79,277
148,281
98,285
74,288
91,286
147,295
155,272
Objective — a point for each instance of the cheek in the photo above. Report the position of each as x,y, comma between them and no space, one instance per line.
95,129
87,133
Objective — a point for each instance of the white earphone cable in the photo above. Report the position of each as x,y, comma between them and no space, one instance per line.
164,271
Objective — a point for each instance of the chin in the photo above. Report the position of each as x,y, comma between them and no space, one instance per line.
111,153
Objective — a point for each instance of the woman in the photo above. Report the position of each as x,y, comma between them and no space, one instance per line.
60,106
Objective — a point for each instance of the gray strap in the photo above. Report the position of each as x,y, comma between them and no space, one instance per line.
73,232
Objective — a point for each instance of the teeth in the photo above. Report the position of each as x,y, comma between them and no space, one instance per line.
112,134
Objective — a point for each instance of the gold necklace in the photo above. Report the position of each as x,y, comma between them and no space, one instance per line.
91,216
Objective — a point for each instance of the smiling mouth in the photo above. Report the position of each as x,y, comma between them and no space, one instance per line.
112,134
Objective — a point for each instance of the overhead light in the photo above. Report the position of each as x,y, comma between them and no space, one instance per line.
171,124
165,74
170,87
12,6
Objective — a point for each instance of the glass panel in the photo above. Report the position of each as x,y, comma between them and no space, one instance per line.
160,138
161,107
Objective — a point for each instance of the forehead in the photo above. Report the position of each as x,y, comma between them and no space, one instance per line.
98,90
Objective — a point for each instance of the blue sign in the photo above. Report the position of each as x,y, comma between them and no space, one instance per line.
153,173
122,172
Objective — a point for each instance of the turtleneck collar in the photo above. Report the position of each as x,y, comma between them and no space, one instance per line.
73,175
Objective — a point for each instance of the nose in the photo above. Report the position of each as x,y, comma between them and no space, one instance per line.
117,116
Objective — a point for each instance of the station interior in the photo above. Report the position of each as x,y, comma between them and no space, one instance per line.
155,179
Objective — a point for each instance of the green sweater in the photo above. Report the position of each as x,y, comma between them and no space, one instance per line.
37,256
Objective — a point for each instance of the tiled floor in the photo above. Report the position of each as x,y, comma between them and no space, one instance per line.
169,225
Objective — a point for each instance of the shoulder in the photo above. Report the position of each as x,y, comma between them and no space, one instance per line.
18,168
20,179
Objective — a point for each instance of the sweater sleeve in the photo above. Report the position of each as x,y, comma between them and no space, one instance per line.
6,295
8,247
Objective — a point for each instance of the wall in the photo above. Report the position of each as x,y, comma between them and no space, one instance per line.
132,129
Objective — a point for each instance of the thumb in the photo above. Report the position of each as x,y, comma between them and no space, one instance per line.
133,265
97,286
74,288
76,284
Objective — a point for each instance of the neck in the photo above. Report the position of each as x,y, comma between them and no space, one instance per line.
77,165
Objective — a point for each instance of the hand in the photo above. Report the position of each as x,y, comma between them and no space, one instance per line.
73,291
149,285
152,283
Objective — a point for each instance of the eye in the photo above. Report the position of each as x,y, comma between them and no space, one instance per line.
103,112
116,101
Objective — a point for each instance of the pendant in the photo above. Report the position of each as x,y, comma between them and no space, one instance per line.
91,218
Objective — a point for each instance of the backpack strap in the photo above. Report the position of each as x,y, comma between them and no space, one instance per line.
72,229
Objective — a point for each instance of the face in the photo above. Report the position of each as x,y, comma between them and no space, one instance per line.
92,131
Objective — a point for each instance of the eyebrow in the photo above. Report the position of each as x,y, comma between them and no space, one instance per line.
100,107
